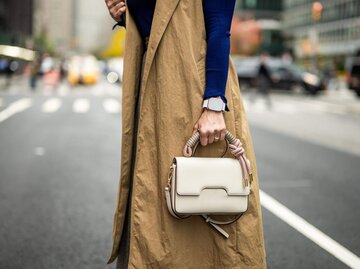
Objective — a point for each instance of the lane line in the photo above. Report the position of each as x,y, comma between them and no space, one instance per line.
81,105
310,231
51,105
15,107
111,106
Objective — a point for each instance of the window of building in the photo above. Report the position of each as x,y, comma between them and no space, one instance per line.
250,3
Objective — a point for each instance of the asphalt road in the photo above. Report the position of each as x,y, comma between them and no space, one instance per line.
59,169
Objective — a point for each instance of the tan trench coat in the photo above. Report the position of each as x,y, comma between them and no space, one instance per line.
171,93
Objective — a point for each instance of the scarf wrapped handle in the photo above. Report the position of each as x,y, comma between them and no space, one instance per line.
236,148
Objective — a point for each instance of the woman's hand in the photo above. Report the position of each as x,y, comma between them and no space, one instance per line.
116,8
211,126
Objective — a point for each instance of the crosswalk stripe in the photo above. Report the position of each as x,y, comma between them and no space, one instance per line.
262,107
81,105
51,105
111,106
15,107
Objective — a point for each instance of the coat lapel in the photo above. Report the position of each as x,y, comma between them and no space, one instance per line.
162,15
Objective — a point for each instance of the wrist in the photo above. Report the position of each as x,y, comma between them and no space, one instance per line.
212,111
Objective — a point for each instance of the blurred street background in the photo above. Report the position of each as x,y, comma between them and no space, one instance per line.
298,64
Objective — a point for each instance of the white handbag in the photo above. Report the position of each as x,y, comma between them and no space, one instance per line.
209,186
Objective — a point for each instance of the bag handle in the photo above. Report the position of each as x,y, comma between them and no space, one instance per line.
239,153
237,150
192,143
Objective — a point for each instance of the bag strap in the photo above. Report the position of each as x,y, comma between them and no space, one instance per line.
215,223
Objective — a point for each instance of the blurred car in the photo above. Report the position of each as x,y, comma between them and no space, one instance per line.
284,76
353,73
247,71
83,70
8,66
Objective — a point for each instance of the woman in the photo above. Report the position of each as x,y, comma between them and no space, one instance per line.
170,68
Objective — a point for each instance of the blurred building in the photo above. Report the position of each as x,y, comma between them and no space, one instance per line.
73,25
260,9
16,22
267,14
93,25
54,21
326,28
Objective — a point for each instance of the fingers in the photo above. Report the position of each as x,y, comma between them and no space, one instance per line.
119,9
210,136
222,135
211,127
116,8
111,3
203,137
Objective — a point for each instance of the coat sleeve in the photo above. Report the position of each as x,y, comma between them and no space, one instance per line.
218,16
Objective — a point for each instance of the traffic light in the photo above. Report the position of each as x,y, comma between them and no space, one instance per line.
316,11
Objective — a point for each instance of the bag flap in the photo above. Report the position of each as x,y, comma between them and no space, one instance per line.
198,173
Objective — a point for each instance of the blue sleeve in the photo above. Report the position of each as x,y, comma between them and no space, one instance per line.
218,16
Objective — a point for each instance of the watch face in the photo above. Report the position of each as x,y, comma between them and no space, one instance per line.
215,104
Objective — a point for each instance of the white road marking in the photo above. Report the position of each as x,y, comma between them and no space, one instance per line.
261,107
51,105
292,106
81,105
285,109
15,107
111,106
322,106
309,231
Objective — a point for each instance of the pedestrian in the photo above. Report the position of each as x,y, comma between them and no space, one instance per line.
176,56
263,81
34,73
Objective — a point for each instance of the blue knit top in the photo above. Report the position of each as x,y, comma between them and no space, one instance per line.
218,16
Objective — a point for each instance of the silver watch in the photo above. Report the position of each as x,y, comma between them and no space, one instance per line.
215,104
